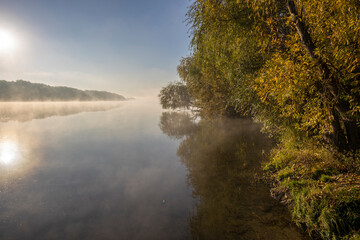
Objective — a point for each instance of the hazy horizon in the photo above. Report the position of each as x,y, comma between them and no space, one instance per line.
68,87
130,48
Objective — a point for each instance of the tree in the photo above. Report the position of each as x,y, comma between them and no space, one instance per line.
225,58
311,80
175,95
292,64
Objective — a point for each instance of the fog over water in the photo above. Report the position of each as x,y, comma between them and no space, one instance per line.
27,111
128,171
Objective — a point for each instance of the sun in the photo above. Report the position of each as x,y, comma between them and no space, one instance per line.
8,42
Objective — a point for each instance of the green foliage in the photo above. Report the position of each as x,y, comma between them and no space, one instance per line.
27,91
312,90
175,95
323,188
296,68
225,58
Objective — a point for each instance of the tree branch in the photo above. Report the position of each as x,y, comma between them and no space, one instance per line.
309,46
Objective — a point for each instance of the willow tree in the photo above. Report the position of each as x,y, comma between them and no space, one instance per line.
313,78
291,63
219,70
175,95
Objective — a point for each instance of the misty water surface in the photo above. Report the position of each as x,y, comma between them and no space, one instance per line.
130,171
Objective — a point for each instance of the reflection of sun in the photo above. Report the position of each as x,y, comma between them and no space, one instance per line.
16,159
9,152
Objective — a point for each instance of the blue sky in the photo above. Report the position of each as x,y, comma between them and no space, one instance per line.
131,47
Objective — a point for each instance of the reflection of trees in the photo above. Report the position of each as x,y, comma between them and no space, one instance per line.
222,158
177,124
27,111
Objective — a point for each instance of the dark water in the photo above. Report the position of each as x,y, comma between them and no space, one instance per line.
85,171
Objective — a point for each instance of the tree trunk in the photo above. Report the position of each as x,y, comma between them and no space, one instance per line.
346,133
338,137
353,135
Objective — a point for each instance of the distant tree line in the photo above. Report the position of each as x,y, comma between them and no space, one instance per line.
26,91
294,65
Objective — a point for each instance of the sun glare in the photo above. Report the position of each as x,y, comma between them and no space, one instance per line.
9,152
8,42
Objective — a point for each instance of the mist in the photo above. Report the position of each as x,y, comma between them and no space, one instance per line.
27,111
90,170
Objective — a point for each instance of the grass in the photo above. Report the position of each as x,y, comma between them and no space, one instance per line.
321,187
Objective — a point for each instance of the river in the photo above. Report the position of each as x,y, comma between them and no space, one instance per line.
129,170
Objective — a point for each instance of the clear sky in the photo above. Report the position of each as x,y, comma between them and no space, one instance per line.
130,47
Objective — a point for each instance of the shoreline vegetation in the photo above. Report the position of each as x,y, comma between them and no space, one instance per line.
24,91
320,186
294,66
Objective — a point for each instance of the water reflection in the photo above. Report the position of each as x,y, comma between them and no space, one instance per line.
114,175
18,153
9,152
96,175
177,124
222,158
27,111
17,158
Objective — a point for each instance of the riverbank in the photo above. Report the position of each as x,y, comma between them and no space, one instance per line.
320,186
